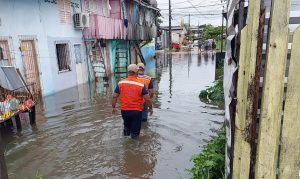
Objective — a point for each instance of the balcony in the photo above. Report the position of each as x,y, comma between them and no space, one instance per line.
105,28
109,28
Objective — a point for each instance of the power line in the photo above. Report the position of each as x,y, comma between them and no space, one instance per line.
190,7
192,14
182,2
193,6
215,10
173,3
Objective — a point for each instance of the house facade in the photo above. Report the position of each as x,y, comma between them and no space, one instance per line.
121,32
54,52
39,38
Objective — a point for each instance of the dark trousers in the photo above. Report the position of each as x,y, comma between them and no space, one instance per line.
132,122
145,113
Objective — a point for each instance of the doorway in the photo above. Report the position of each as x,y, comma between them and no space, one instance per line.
31,71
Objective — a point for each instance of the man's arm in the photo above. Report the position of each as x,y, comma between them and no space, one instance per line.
147,99
114,100
149,103
151,89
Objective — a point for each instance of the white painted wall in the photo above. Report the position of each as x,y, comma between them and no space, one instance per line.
40,19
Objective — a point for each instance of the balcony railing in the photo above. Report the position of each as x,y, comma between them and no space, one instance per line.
109,28
105,28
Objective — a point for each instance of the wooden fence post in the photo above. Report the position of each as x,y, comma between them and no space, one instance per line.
246,94
239,142
290,141
271,108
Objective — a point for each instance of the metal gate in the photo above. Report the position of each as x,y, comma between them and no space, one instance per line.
30,66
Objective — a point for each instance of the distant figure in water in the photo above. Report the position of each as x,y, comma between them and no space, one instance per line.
190,45
207,45
146,80
132,94
213,45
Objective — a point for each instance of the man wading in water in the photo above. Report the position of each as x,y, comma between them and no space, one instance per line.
132,94
146,80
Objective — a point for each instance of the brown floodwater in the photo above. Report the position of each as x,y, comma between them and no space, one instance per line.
77,137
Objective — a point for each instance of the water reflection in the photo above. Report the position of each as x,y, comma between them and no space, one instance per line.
199,60
170,74
189,63
140,161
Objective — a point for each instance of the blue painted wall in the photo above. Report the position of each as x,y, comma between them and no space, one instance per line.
148,52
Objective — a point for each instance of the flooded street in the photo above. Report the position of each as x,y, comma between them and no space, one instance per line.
77,137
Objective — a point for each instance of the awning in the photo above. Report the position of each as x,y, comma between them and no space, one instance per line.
10,79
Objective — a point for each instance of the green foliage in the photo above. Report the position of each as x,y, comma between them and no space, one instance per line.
190,35
219,42
170,50
203,95
38,176
220,71
210,164
211,32
213,94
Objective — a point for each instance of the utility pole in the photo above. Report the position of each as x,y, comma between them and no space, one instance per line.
189,21
170,26
198,31
222,32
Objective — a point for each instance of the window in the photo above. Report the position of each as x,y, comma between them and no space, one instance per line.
63,57
4,51
77,49
65,11
1,54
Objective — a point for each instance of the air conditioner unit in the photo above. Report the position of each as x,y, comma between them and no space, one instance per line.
81,20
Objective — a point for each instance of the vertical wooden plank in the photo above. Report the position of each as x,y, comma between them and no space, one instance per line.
290,141
254,93
271,108
245,95
240,145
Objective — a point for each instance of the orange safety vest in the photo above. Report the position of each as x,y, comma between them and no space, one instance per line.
145,80
131,94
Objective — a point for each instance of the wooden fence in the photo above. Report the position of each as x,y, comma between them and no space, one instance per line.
267,141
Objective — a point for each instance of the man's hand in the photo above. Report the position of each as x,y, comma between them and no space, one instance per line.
114,111
150,110
113,103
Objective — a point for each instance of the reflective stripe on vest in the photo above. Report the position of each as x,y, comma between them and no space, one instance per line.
131,82
145,80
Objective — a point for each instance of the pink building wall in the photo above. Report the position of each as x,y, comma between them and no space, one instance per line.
115,9
105,28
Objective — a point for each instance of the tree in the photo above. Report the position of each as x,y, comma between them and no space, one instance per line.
211,32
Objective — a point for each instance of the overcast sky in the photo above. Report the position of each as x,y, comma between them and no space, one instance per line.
202,11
